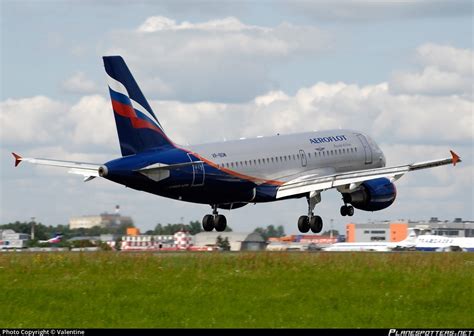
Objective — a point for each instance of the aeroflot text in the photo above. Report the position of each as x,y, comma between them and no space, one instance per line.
328,139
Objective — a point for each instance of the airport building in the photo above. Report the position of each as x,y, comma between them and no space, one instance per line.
103,220
134,241
300,242
9,239
238,241
395,231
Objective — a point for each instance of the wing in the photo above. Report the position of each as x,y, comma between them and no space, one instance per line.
351,180
88,170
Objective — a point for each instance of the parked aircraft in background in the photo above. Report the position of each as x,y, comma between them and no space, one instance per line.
431,242
406,244
232,174
56,239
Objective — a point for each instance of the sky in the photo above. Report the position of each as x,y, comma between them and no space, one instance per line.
399,71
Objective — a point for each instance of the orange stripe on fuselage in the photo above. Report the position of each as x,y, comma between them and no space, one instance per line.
234,173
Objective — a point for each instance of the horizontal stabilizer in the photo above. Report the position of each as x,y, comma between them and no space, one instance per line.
18,159
88,170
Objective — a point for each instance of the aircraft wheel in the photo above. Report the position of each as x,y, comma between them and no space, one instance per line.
344,211
220,223
316,224
350,211
208,223
303,224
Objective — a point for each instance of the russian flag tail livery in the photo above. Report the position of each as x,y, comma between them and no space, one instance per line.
137,126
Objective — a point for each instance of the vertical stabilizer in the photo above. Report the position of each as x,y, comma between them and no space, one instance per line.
137,126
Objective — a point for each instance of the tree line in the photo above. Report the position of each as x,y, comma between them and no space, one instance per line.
44,232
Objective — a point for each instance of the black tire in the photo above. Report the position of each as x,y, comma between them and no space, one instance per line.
344,210
220,223
316,224
303,224
208,223
319,224
350,211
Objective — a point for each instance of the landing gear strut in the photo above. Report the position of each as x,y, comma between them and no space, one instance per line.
315,223
214,221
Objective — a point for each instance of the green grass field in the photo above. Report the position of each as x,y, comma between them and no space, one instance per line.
207,290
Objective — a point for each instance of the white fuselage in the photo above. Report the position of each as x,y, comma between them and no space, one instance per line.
281,156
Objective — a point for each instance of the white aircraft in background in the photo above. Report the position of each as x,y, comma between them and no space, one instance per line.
56,239
408,243
437,243
232,174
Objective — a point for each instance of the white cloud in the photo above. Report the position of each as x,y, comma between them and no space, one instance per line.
161,23
216,60
447,70
447,58
373,109
431,81
93,122
35,120
79,83
87,125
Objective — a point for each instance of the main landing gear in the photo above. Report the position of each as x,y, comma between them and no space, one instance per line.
315,223
214,221
347,210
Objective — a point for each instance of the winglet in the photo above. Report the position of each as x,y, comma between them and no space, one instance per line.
455,158
18,159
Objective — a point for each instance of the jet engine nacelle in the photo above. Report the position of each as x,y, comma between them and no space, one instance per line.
372,195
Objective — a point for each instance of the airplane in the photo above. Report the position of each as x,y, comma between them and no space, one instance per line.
56,239
407,244
231,174
429,242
